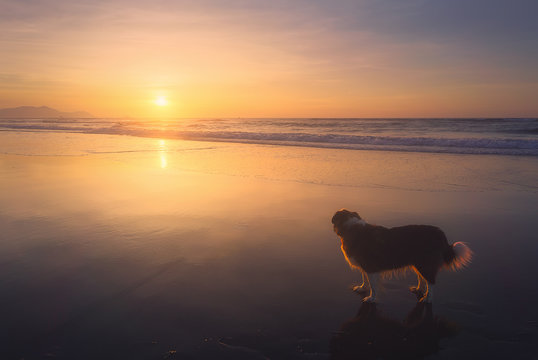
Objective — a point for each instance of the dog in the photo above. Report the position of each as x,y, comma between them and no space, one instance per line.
374,249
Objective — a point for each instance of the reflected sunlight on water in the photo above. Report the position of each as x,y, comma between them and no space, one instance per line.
162,153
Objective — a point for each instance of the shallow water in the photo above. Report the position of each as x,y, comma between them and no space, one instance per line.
145,248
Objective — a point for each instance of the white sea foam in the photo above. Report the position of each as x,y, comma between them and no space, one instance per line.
459,136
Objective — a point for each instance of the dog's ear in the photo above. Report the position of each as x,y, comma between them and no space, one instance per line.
339,216
343,215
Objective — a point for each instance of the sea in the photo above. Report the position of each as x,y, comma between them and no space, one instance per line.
500,136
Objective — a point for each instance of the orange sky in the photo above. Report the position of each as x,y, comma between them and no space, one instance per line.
283,59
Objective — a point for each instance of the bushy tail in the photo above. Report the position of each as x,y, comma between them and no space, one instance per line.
458,256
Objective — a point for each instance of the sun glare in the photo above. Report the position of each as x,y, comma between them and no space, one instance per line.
161,101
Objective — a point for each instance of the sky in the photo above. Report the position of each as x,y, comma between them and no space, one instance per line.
250,58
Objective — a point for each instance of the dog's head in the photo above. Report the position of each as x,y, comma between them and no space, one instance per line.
343,219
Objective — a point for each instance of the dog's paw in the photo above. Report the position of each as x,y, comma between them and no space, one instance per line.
360,288
417,291
369,299
426,299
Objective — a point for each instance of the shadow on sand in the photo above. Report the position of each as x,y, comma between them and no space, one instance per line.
372,335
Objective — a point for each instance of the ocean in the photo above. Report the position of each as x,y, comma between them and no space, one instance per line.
517,137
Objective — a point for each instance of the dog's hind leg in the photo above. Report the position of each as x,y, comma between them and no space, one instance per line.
364,286
429,294
371,280
428,275
420,289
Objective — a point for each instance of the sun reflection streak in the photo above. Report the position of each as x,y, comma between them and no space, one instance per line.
162,152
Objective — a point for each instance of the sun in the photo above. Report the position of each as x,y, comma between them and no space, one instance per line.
160,101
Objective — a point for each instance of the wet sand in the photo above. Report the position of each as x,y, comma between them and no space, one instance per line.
117,247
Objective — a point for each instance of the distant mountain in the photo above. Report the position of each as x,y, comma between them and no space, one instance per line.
22,112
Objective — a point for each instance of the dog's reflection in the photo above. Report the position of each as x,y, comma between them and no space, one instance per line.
371,335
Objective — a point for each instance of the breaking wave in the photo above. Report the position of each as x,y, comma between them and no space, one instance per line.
267,132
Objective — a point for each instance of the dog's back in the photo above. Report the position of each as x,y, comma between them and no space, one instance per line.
379,249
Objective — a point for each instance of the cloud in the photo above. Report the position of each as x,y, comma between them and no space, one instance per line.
345,48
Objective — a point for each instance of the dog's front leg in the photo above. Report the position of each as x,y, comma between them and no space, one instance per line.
363,287
371,280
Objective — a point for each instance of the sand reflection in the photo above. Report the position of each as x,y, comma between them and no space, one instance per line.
372,335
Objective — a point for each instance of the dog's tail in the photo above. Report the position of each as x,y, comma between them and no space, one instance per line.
457,256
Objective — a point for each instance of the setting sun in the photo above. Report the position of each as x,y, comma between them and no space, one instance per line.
161,101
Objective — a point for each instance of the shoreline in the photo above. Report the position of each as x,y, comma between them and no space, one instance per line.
334,167
472,136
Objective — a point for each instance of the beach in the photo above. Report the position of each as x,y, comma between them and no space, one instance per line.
116,246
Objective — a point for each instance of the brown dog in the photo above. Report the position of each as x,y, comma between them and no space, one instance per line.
375,249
